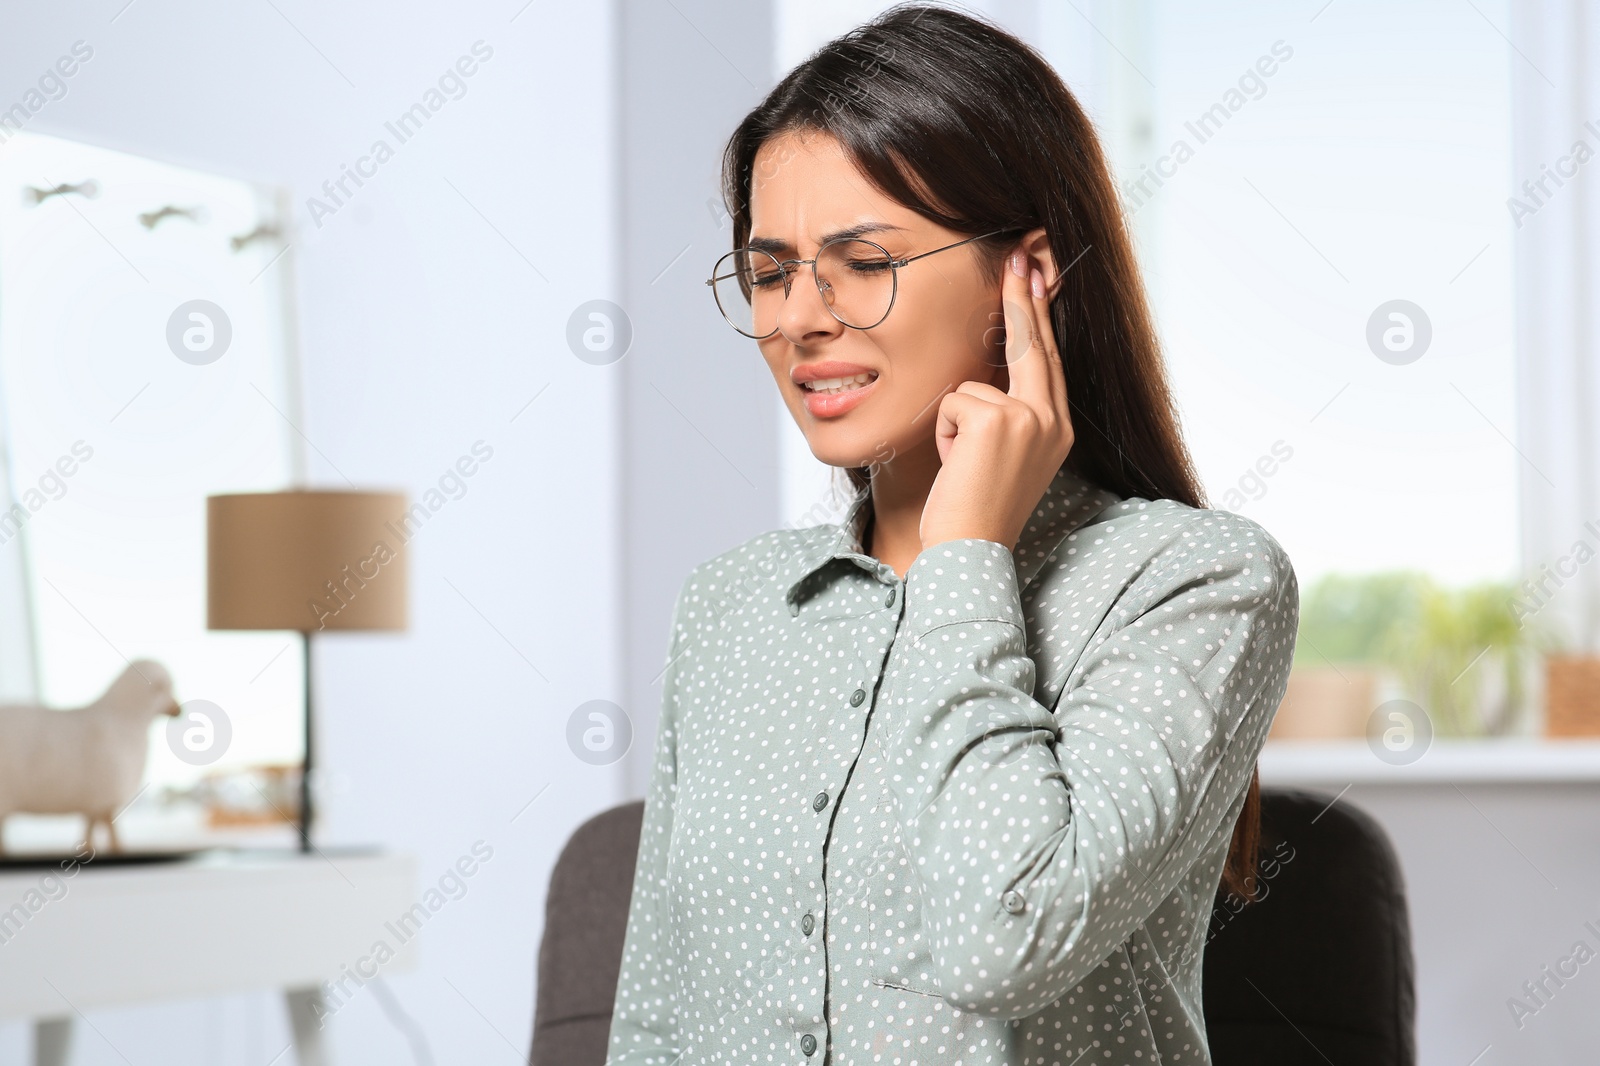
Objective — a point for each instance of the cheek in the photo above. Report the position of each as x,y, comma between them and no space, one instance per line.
773,353
933,346
777,355
948,337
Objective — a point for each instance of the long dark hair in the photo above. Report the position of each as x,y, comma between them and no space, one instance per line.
968,126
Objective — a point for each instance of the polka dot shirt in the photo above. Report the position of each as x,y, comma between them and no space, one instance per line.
975,817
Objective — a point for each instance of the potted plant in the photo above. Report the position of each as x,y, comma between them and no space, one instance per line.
1347,625
1572,695
1463,655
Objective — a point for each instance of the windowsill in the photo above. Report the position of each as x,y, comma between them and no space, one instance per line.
1521,760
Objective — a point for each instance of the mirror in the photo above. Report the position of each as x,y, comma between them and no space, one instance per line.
147,359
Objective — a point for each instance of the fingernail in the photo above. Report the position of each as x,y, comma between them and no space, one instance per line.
1038,284
1019,264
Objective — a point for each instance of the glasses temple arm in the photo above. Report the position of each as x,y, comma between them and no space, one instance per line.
946,248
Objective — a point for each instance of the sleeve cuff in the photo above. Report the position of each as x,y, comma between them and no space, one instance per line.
966,580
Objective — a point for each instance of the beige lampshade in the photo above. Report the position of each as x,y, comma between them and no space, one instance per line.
306,560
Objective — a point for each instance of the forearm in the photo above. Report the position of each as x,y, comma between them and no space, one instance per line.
1043,840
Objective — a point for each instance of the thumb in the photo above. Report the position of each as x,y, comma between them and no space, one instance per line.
947,426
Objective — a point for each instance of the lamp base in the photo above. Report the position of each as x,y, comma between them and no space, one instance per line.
306,763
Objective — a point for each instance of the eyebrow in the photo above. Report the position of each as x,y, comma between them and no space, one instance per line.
777,245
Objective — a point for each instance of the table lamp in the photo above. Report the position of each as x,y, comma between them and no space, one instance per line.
306,560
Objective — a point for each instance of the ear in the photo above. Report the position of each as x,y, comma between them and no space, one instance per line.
1036,242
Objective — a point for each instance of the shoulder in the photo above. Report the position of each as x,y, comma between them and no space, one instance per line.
742,572
1168,545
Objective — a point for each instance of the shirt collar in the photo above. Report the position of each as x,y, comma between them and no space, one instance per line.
1068,502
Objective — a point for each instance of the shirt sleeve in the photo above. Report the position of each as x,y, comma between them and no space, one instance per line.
1044,841
644,1019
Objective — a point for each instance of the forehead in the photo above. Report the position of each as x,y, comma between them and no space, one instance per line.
803,183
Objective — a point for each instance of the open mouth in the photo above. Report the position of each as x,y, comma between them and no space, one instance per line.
833,386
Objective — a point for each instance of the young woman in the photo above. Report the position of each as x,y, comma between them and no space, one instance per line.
955,780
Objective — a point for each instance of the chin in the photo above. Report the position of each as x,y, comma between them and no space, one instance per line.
860,449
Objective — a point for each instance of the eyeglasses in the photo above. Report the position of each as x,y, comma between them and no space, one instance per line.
857,279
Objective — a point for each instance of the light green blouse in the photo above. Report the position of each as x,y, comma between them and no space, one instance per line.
977,816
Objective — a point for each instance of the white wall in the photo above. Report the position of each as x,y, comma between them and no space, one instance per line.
424,330
699,463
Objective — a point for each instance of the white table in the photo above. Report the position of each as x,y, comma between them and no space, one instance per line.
210,925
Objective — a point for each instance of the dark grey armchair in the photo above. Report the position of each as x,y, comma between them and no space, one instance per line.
1318,971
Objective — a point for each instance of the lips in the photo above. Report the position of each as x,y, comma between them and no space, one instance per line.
832,388
827,370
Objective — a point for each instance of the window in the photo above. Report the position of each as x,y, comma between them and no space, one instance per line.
1320,204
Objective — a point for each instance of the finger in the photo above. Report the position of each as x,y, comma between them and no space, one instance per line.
1026,364
984,391
961,407
1057,373
958,411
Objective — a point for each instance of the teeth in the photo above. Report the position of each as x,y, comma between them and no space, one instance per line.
831,385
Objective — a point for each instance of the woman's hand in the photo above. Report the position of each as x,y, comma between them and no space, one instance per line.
1000,450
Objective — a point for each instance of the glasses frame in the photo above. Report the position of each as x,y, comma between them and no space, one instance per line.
783,266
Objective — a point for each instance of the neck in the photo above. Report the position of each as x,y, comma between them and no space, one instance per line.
899,491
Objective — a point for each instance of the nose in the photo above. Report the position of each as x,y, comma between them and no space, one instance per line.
805,315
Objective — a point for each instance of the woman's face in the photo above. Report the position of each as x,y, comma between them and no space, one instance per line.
805,189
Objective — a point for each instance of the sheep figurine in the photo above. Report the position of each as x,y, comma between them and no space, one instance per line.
87,761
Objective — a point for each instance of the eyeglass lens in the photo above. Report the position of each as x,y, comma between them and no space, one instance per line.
856,280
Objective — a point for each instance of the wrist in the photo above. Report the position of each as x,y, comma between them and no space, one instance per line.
965,579
992,535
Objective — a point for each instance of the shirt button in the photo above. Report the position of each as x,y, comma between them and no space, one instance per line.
1013,902
857,696
888,601
820,802
808,1043
807,924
